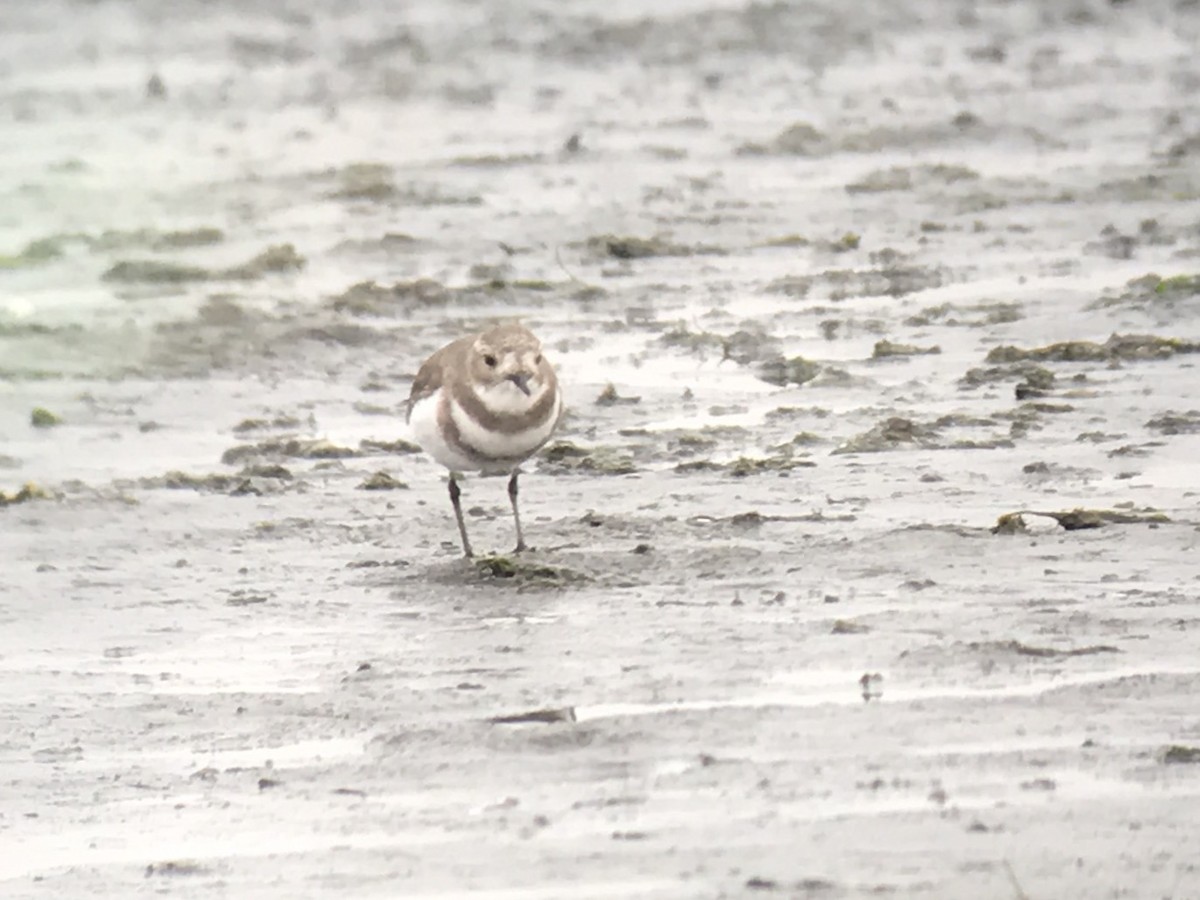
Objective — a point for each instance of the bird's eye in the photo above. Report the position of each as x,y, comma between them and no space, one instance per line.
537,360
489,361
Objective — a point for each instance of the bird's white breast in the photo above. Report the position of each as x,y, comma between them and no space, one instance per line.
507,448
504,445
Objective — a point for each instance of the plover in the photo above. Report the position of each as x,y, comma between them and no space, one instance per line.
485,403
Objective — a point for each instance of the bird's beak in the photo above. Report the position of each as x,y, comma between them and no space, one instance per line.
521,380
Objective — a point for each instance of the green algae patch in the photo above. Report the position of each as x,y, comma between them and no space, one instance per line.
294,448
1035,376
280,421
798,139
1179,285
882,180
153,271
29,491
690,442
1118,348
525,572
564,458
979,315
535,285
371,182
368,298
843,284
41,417
1036,382
399,447
885,348
1176,423
382,481
252,480
177,481
698,465
1152,292
191,237
560,451
848,241
700,342
803,439
277,258
745,466
787,240
34,253
891,434
1177,754
498,160
904,178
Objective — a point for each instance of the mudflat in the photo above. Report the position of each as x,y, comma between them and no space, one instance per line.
865,564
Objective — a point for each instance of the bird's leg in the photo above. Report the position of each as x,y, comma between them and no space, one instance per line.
455,493
512,495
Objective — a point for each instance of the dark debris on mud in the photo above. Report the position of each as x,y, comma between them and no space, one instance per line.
629,247
1170,423
176,868
1035,378
1078,519
537,717
1178,754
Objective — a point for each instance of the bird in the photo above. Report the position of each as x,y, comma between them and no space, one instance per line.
485,403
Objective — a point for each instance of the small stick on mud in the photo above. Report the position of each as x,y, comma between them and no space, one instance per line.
545,716
1012,877
566,271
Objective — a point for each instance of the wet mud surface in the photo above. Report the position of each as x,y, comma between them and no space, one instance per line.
867,560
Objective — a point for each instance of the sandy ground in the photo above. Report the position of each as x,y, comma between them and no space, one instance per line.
864,282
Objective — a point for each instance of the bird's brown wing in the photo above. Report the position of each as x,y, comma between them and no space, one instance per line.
432,372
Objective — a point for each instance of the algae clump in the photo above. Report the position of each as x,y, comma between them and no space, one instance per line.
525,572
43,418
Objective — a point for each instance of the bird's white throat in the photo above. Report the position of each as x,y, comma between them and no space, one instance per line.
506,399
